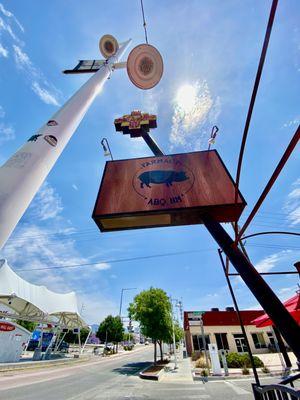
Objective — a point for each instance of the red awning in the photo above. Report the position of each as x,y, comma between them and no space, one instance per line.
293,307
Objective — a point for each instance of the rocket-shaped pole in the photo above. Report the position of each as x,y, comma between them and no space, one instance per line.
23,173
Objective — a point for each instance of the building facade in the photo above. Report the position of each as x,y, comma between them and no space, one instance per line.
223,329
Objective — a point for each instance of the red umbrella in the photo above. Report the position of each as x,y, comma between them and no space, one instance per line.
293,307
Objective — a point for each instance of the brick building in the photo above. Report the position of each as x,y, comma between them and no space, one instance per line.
223,329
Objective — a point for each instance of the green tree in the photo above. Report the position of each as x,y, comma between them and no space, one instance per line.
111,330
127,336
71,337
30,326
152,309
178,333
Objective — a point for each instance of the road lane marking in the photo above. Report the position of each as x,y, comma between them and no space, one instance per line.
237,389
11,385
161,389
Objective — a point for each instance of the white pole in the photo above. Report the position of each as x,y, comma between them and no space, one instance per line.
173,334
23,174
86,340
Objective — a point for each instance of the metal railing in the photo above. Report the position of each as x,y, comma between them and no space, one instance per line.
278,391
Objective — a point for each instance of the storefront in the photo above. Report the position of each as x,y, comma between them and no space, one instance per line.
223,329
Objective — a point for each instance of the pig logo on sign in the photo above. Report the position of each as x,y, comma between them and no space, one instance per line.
167,177
163,182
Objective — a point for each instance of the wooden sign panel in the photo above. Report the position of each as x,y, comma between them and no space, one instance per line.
165,191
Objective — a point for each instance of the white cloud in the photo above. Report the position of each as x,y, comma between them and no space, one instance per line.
22,59
3,51
102,266
35,76
96,307
6,27
47,203
270,262
11,15
292,204
292,122
75,187
7,132
44,94
33,248
286,292
194,108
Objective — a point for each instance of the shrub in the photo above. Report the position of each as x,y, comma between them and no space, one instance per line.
201,363
245,371
236,360
195,355
265,370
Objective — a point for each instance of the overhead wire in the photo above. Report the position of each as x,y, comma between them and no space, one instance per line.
120,260
144,22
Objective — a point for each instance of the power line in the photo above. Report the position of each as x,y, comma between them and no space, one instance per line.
113,261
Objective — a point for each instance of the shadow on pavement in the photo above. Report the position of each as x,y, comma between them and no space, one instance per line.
131,368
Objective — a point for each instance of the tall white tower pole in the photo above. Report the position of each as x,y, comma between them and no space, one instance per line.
22,174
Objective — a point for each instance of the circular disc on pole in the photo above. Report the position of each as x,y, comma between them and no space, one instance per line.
145,66
108,46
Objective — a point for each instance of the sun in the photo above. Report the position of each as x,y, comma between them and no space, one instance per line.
186,98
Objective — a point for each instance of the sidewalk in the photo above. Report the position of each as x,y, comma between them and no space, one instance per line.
182,374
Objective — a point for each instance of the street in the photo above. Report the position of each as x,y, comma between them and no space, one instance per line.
114,379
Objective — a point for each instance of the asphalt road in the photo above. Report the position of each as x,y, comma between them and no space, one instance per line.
114,379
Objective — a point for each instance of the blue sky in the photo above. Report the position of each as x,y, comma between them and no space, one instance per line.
212,46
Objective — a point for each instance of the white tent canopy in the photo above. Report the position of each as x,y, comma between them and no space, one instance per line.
37,303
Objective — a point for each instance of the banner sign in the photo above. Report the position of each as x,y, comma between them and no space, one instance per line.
166,191
6,327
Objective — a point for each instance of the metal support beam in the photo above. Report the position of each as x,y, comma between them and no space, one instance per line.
285,323
152,144
282,348
240,319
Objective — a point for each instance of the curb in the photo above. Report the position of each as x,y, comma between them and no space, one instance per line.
151,377
35,365
40,364
230,377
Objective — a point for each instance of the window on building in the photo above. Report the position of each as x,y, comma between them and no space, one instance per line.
222,341
198,342
259,340
240,343
272,344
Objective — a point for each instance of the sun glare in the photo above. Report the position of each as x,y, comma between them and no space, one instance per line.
186,98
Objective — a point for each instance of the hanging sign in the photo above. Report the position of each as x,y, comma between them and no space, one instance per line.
166,191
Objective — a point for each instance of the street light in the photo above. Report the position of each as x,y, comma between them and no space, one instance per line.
178,304
106,148
121,300
204,341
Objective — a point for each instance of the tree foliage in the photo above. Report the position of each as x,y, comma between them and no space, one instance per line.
178,332
152,309
30,326
71,337
111,329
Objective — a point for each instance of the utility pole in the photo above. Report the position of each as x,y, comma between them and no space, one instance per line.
25,171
